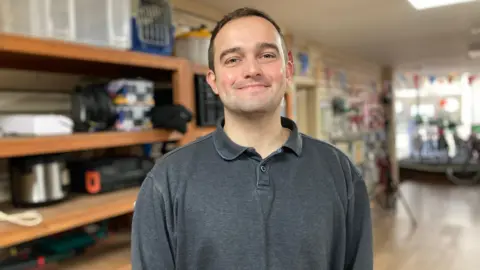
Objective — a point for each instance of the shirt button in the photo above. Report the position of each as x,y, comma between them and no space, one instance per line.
263,169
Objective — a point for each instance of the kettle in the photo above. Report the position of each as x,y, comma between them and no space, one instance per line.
38,180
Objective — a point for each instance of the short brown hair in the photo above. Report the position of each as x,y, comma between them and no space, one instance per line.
236,14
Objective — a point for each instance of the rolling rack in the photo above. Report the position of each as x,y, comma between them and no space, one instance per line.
389,186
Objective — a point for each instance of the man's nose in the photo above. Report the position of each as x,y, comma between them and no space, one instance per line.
252,68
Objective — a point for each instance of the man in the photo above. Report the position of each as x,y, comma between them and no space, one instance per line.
254,194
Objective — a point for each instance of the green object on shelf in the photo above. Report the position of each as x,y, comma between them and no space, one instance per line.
476,129
71,240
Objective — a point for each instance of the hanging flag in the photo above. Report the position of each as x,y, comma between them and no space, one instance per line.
451,76
416,80
402,78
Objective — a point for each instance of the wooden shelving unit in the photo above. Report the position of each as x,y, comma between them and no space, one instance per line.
27,53
77,211
25,146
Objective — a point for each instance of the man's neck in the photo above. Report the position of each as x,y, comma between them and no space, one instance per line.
264,133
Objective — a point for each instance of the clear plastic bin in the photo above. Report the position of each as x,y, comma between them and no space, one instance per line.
38,18
194,45
94,22
103,22
61,19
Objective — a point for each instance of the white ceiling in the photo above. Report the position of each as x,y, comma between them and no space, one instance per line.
385,31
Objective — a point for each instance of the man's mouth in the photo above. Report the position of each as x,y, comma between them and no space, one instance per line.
253,87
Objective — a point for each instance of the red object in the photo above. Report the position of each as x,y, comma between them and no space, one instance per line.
41,261
383,165
471,78
416,79
443,102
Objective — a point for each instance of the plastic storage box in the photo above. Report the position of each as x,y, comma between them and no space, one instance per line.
38,18
103,22
133,118
193,45
131,92
133,99
94,22
152,28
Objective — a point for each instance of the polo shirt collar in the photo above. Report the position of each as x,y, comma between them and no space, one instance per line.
229,150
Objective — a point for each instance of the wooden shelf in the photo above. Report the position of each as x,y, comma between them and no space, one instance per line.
304,81
199,69
76,211
202,131
28,53
111,253
125,267
24,146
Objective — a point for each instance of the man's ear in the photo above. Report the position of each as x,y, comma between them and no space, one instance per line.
211,80
290,68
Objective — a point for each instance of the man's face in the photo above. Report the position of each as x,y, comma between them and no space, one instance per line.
251,74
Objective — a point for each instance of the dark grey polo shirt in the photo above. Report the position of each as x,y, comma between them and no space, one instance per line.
213,204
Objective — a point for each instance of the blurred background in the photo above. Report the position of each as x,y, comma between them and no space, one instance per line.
92,92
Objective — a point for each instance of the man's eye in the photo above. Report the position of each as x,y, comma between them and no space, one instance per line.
231,61
269,55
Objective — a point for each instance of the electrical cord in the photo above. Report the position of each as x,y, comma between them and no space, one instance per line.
27,219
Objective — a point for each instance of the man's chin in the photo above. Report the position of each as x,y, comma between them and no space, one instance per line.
254,109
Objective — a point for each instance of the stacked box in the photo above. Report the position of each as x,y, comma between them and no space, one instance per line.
133,99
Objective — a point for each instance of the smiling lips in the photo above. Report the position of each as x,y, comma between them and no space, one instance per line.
255,86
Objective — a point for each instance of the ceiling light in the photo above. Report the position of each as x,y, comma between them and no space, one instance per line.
425,4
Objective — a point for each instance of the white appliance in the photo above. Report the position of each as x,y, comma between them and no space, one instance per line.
35,125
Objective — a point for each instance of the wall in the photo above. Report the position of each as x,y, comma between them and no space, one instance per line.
37,92
359,74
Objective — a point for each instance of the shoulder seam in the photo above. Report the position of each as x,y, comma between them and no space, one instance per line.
174,151
323,143
171,153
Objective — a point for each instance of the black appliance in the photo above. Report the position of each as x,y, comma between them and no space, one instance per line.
108,174
209,107
92,108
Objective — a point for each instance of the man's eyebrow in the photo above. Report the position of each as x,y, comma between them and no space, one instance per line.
260,46
228,51
267,45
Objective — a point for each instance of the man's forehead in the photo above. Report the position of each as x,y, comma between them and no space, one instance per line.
247,31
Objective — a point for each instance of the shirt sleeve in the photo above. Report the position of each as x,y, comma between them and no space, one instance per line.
359,226
152,246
